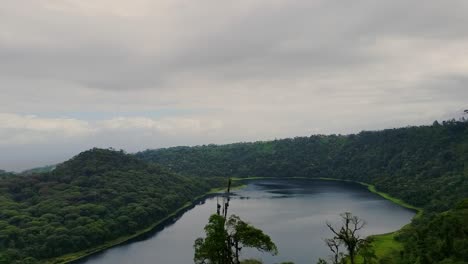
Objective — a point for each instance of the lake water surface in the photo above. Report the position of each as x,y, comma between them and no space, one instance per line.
292,212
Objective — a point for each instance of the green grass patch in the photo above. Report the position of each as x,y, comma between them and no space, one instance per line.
386,244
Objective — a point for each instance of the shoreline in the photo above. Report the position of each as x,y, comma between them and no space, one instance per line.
370,187
383,244
77,257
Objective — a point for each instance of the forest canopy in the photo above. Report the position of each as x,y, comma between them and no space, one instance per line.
426,166
101,194
95,197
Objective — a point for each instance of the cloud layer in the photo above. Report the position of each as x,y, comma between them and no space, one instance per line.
145,74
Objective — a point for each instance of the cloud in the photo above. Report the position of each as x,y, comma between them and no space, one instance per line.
165,125
19,129
30,129
144,74
151,45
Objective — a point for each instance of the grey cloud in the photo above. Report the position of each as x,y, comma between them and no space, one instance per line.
268,68
107,52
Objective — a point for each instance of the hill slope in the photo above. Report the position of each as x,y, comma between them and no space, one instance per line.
426,166
441,238
97,196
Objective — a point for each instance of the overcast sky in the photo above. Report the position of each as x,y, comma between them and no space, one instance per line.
138,74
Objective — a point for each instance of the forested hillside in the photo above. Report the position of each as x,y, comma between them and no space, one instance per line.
440,238
95,197
5,173
426,166
101,195
38,170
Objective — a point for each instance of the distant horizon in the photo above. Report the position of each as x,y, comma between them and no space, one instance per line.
226,143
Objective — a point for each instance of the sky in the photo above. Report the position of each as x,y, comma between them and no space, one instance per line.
144,74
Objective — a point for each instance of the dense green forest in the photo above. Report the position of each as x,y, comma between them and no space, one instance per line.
101,195
95,197
4,173
426,166
438,238
37,170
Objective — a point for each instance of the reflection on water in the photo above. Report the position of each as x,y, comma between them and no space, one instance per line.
292,212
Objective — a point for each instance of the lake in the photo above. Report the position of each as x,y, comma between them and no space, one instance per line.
292,212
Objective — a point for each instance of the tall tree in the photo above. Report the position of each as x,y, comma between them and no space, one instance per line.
334,245
226,237
348,235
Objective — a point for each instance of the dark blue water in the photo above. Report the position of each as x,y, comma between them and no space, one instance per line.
292,212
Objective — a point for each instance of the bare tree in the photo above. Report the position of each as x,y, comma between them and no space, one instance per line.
348,234
334,246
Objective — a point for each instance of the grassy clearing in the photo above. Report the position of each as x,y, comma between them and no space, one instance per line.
386,244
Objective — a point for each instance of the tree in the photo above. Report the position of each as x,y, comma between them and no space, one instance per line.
334,245
243,234
321,261
213,248
367,252
225,238
347,235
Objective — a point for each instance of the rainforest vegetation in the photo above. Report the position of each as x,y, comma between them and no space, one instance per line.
426,166
95,197
101,195
5,173
436,238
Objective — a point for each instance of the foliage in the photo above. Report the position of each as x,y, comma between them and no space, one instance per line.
213,248
441,238
37,170
386,244
4,174
426,166
95,197
101,195
225,239
251,261
347,236
256,261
